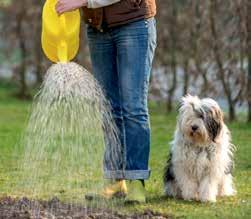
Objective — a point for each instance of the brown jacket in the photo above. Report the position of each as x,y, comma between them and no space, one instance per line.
119,13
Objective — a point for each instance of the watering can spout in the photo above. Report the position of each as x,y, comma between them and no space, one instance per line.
60,34
62,52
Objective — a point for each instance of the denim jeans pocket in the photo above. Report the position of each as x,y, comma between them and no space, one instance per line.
90,29
150,21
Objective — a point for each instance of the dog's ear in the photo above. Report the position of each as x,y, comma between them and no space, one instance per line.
179,105
214,122
185,100
189,99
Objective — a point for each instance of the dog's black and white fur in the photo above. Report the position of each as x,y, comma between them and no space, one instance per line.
201,156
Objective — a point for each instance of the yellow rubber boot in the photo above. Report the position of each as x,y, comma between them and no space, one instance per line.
136,192
111,189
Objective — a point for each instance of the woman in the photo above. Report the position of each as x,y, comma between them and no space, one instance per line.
122,39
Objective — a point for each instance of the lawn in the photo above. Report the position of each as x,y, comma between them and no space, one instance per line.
14,115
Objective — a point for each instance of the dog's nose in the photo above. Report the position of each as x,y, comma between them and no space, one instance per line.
194,127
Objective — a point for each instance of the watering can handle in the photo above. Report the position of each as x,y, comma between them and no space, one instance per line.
62,19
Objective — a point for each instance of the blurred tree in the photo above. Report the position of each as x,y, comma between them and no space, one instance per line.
248,24
173,26
20,14
38,54
201,46
166,53
15,37
224,47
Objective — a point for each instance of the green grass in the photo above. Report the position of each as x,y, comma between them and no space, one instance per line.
13,117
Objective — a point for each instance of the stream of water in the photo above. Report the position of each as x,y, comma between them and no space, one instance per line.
64,140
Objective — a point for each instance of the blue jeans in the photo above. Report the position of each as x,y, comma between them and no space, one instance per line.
122,60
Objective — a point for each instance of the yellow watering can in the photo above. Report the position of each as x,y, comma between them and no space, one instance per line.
60,34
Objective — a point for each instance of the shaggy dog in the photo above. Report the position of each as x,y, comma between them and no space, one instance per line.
201,157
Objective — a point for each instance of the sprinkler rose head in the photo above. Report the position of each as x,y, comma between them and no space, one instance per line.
71,79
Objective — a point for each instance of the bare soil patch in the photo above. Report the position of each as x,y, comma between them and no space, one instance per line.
54,209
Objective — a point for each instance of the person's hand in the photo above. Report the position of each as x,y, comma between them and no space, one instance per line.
69,5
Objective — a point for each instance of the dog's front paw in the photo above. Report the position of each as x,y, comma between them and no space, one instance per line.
188,195
208,190
208,199
189,190
207,196
227,188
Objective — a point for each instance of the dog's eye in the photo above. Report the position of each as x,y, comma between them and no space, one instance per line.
201,116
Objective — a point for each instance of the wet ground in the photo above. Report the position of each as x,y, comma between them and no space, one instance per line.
54,209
